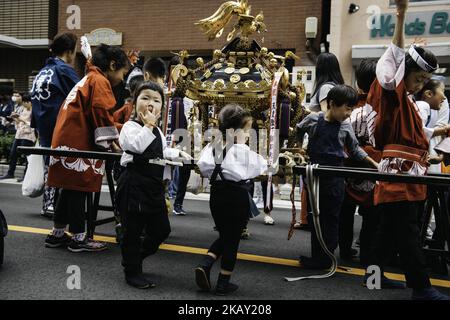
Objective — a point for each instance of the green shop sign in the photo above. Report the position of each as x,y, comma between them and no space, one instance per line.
424,24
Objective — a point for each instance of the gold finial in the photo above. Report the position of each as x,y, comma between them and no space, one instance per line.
200,62
184,54
214,25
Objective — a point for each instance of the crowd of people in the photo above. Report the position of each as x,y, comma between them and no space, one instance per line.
16,122
391,122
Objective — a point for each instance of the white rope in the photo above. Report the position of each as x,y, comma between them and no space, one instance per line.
272,125
313,185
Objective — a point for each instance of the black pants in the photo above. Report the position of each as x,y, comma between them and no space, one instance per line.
45,142
367,237
399,230
71,210
142,207
184,173
331,197
230,210
14,154
346,222
134,249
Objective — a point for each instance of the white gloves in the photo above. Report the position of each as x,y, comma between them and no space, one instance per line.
85,47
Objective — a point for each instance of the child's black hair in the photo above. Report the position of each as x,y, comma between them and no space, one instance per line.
135,82
232,116
156,67
366,74
432,85
412,66
148,85
327,70
26,97
62,43
342,94
104,54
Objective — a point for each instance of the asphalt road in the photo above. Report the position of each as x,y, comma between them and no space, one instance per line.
31,271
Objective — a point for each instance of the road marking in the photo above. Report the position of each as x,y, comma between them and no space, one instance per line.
241,256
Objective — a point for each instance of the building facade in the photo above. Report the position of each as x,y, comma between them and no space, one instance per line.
156,27
26,28
365,29
159,27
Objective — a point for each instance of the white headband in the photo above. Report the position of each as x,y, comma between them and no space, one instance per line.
136,72
420,61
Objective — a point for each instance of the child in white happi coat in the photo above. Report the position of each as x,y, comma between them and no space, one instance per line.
140,192
230,169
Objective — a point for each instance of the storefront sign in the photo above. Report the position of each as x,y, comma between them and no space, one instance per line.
418,24
106,36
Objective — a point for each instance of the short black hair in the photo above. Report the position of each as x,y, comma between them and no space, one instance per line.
26,97
412,66
342,94
135,82
432,85
232,116
366,74
104,54
156,67
62,43
148,85
174,62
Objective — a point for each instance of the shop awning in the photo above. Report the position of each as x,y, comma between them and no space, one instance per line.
23,43
441,51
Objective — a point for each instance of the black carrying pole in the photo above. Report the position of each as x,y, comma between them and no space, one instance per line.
438,182
368,174
93,201
108,156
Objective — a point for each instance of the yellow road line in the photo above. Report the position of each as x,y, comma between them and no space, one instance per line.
241,256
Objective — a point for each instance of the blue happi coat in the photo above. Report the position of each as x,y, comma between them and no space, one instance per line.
50,88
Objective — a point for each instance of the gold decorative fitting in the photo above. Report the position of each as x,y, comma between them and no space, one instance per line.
208,85
218,66
230,70
207,74
240,85
244,70
251,84
217,54
200,62
235,78
219,84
